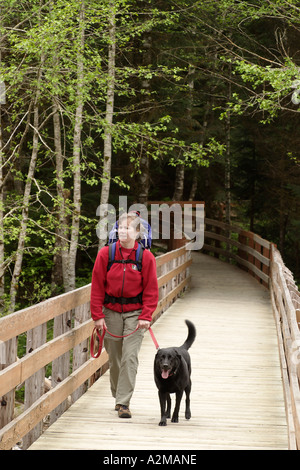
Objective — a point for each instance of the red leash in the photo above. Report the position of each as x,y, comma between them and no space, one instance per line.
101,338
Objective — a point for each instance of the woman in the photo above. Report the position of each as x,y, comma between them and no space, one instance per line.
122,299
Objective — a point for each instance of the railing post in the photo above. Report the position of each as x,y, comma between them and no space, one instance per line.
81,351
265,269
298,318
61,365
257,263
251,244
35,385
242,238
7,401
217,242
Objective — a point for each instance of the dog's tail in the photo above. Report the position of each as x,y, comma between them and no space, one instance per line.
191,336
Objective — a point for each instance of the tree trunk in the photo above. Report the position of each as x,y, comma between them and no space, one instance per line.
283,210
63,323
179,183
2,101
76,154
194,186
26,197
228,163
180,169
60,269
8,350
107,157
144,176
1,216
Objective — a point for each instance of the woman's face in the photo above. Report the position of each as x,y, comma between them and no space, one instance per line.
127,230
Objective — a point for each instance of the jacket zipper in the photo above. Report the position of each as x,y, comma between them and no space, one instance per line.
123,274
123,284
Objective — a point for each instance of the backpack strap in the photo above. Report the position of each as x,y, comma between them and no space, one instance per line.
108,299
111,254
138,261
138,256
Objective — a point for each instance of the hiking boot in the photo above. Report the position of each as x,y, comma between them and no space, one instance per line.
124,412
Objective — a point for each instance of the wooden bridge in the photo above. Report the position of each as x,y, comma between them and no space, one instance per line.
245,360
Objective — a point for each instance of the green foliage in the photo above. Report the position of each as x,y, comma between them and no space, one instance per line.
271,85
183,71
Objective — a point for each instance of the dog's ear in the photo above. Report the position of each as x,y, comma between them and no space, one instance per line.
178,362
158,354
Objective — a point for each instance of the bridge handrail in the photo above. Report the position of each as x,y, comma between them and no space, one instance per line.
173,278
263,261
285,299
250,251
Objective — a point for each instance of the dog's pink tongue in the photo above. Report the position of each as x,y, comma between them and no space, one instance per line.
165,374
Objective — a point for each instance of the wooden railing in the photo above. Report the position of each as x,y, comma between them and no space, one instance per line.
285,298
173,278
248,250
263,261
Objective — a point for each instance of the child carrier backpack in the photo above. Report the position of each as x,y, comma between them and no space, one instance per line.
138,262
145,242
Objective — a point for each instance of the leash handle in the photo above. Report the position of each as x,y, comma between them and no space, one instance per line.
101,339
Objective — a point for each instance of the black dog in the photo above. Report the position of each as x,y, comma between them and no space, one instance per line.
172,374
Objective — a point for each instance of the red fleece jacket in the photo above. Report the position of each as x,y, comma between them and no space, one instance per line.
124,280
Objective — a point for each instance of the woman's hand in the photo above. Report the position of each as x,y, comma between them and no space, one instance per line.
144,324
100,324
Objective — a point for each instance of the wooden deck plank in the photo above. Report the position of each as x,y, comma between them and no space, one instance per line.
237,396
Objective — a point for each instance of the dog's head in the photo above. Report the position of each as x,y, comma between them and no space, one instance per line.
167,362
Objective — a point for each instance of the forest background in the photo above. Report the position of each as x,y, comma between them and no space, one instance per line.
153,100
